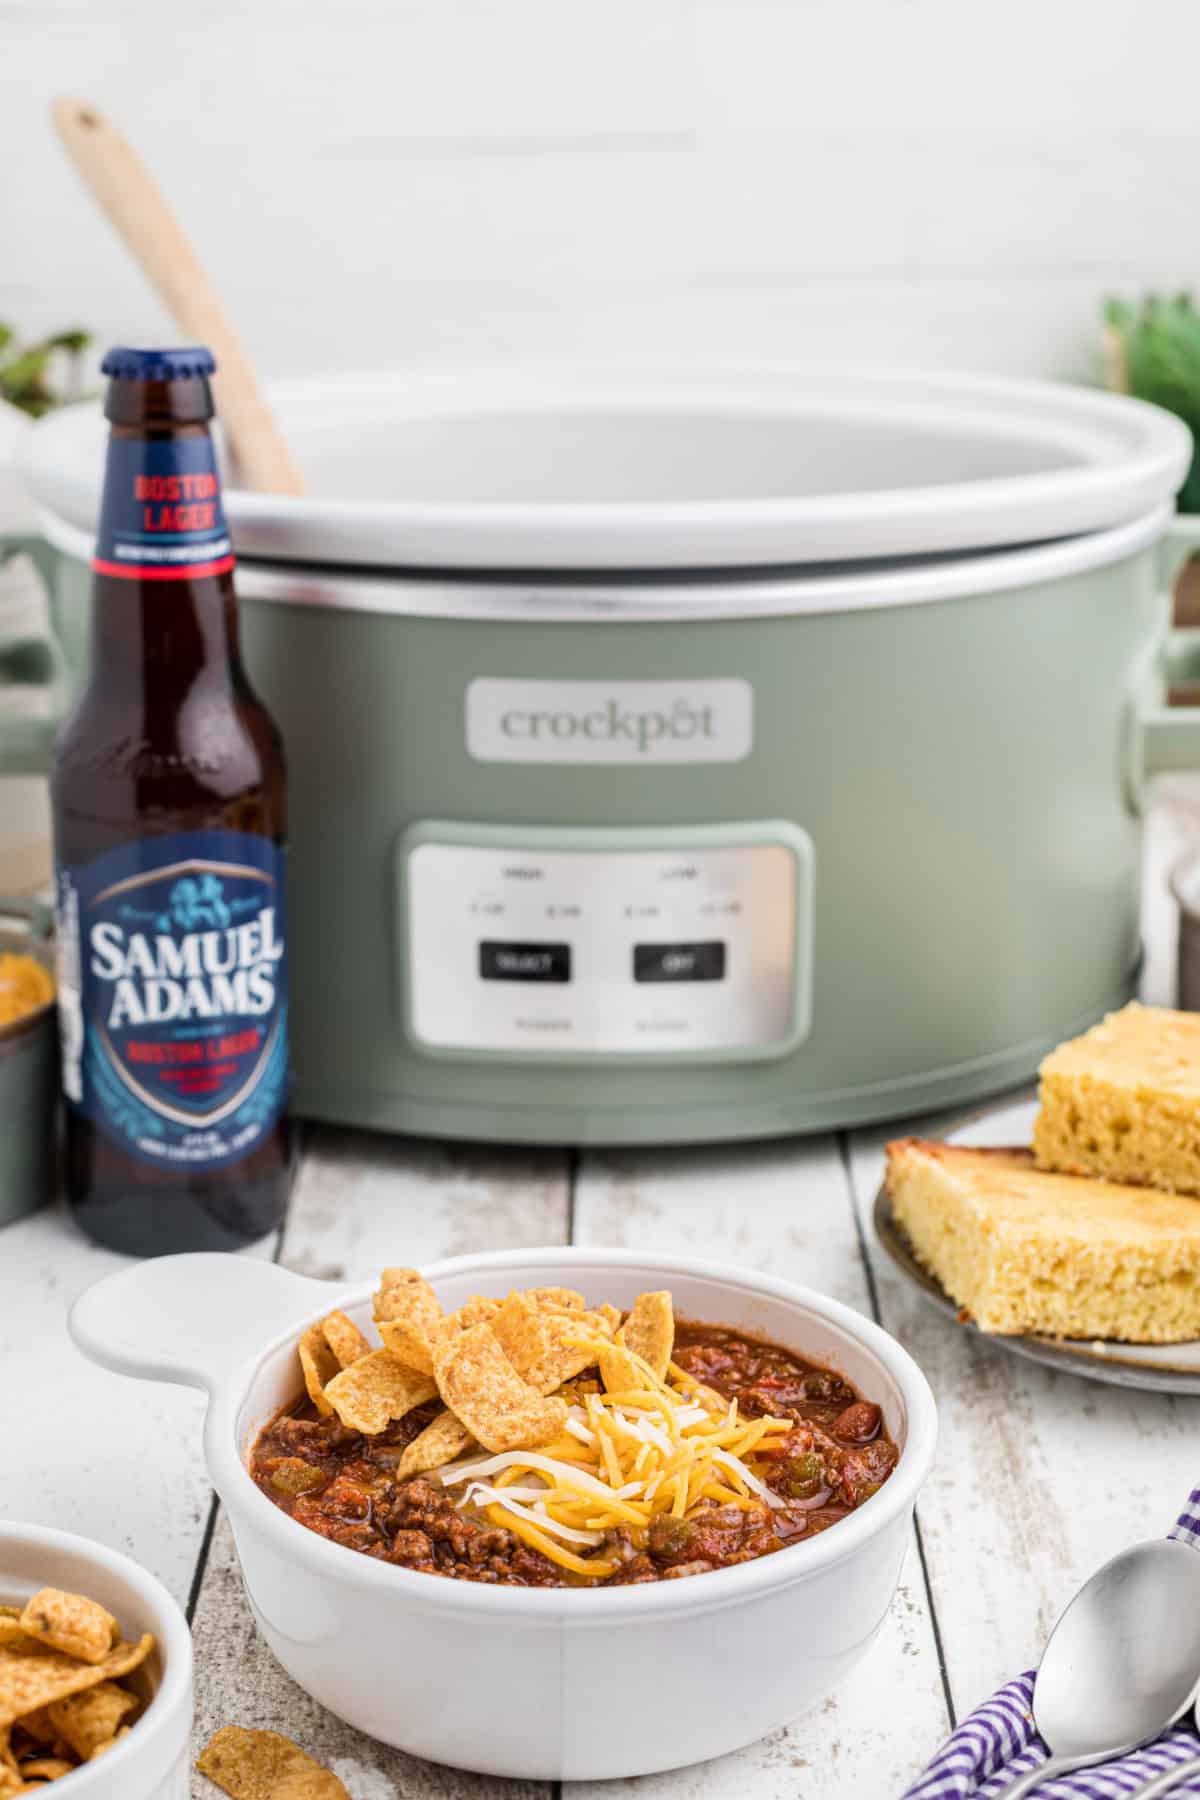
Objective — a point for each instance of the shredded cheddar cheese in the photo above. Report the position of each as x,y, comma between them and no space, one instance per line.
667,1446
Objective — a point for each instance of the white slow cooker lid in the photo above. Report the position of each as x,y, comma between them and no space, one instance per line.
670,467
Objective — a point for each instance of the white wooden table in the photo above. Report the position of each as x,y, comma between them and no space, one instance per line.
1039,1476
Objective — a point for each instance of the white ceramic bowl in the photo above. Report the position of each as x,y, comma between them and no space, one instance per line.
153,1762
540,1683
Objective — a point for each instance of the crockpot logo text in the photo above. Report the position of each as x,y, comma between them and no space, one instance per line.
613,722
601,721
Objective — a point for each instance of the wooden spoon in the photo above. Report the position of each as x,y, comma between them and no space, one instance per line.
136,206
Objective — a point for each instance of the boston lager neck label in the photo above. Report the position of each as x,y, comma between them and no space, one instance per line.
162,517
173,994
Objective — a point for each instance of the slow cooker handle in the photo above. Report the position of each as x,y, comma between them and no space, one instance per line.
32,664
192,1320
34,916
1170,735
1166,738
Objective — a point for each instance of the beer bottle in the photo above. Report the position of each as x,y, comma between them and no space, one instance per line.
168,800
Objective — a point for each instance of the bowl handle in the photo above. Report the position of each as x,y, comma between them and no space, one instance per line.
191,1319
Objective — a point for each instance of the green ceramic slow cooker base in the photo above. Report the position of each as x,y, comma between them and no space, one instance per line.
961,1085
967,770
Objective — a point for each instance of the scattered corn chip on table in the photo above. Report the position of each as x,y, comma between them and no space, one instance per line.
1039,1476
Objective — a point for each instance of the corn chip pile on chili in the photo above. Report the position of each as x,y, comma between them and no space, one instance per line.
540,1440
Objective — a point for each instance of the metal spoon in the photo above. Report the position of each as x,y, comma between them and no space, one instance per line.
1170,1778
1122,1662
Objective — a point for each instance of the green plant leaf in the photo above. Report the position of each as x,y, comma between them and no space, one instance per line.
74,341
25,377
1160,346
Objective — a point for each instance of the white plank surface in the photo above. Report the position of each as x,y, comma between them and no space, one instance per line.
782,1207
69,1432
364,1200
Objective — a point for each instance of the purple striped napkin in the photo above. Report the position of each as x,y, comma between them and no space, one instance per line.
997,1742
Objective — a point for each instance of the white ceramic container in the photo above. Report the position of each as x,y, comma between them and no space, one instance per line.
669,465
539,1683
153,1762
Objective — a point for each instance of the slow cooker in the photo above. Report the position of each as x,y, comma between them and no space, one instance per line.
688,754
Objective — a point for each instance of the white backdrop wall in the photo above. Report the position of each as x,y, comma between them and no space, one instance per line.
929,181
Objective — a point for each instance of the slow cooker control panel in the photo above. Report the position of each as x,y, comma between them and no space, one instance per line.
649,942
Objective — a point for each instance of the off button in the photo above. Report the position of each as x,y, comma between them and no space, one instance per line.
679,962
524,962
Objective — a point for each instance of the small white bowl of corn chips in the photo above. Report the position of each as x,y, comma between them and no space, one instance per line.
95,1673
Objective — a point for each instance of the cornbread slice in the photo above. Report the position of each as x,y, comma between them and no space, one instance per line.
1026,1251
1123,1101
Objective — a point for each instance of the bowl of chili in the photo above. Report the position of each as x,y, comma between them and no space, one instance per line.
484,1653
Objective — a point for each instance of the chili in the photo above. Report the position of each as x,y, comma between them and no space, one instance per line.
343,1485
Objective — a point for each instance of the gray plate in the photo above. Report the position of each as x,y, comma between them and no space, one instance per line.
1156,1368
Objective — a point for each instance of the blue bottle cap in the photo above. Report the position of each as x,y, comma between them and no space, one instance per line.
159,365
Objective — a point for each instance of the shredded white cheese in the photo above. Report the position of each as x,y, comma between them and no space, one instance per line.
566,1473
502,1497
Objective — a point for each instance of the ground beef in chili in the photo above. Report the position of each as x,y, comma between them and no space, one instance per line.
343,1485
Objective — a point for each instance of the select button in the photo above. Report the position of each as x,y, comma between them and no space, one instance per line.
679,962
524,962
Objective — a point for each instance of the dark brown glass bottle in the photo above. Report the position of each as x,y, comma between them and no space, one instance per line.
169,820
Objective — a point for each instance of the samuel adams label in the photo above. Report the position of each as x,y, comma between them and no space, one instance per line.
177,1041
168,792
